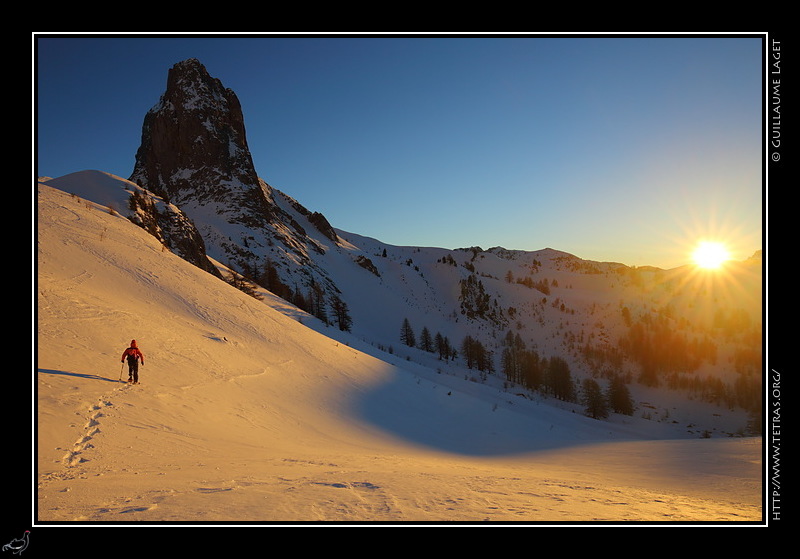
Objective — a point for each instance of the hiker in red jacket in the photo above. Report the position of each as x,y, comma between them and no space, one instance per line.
133,354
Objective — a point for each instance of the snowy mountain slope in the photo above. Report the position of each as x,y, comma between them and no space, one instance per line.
545,320
248,414
577,314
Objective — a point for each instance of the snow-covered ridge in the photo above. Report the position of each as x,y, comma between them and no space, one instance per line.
250,410
561,306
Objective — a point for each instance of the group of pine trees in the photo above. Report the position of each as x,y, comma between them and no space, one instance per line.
432,344
670,355
524,367
552,376
315,302
598,403
329,309
477,356
472,351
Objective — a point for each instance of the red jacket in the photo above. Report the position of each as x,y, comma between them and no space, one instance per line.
134,351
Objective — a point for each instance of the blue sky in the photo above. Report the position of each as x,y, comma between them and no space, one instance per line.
625,149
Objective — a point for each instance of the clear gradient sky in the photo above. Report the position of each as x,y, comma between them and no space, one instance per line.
623,149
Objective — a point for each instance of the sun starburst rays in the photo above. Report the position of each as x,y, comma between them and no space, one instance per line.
710,255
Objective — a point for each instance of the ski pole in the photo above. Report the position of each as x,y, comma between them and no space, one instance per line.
120,371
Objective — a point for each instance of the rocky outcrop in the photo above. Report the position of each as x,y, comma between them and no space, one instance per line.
194,154
193,143
170,226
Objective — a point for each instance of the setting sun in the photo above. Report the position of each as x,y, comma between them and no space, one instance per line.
710,255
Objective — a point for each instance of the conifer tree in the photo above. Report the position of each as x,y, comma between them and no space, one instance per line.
407,334
341,313
426,342
559,379
443,347
619,397
593,399
316,301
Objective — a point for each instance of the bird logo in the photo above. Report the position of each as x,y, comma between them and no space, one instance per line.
17,545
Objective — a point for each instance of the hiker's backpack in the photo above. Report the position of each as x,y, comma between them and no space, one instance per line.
131,356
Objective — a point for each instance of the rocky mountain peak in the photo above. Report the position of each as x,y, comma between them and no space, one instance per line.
194,145
194,154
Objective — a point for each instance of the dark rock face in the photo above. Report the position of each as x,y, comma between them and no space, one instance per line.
172,227
194,154
193,142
